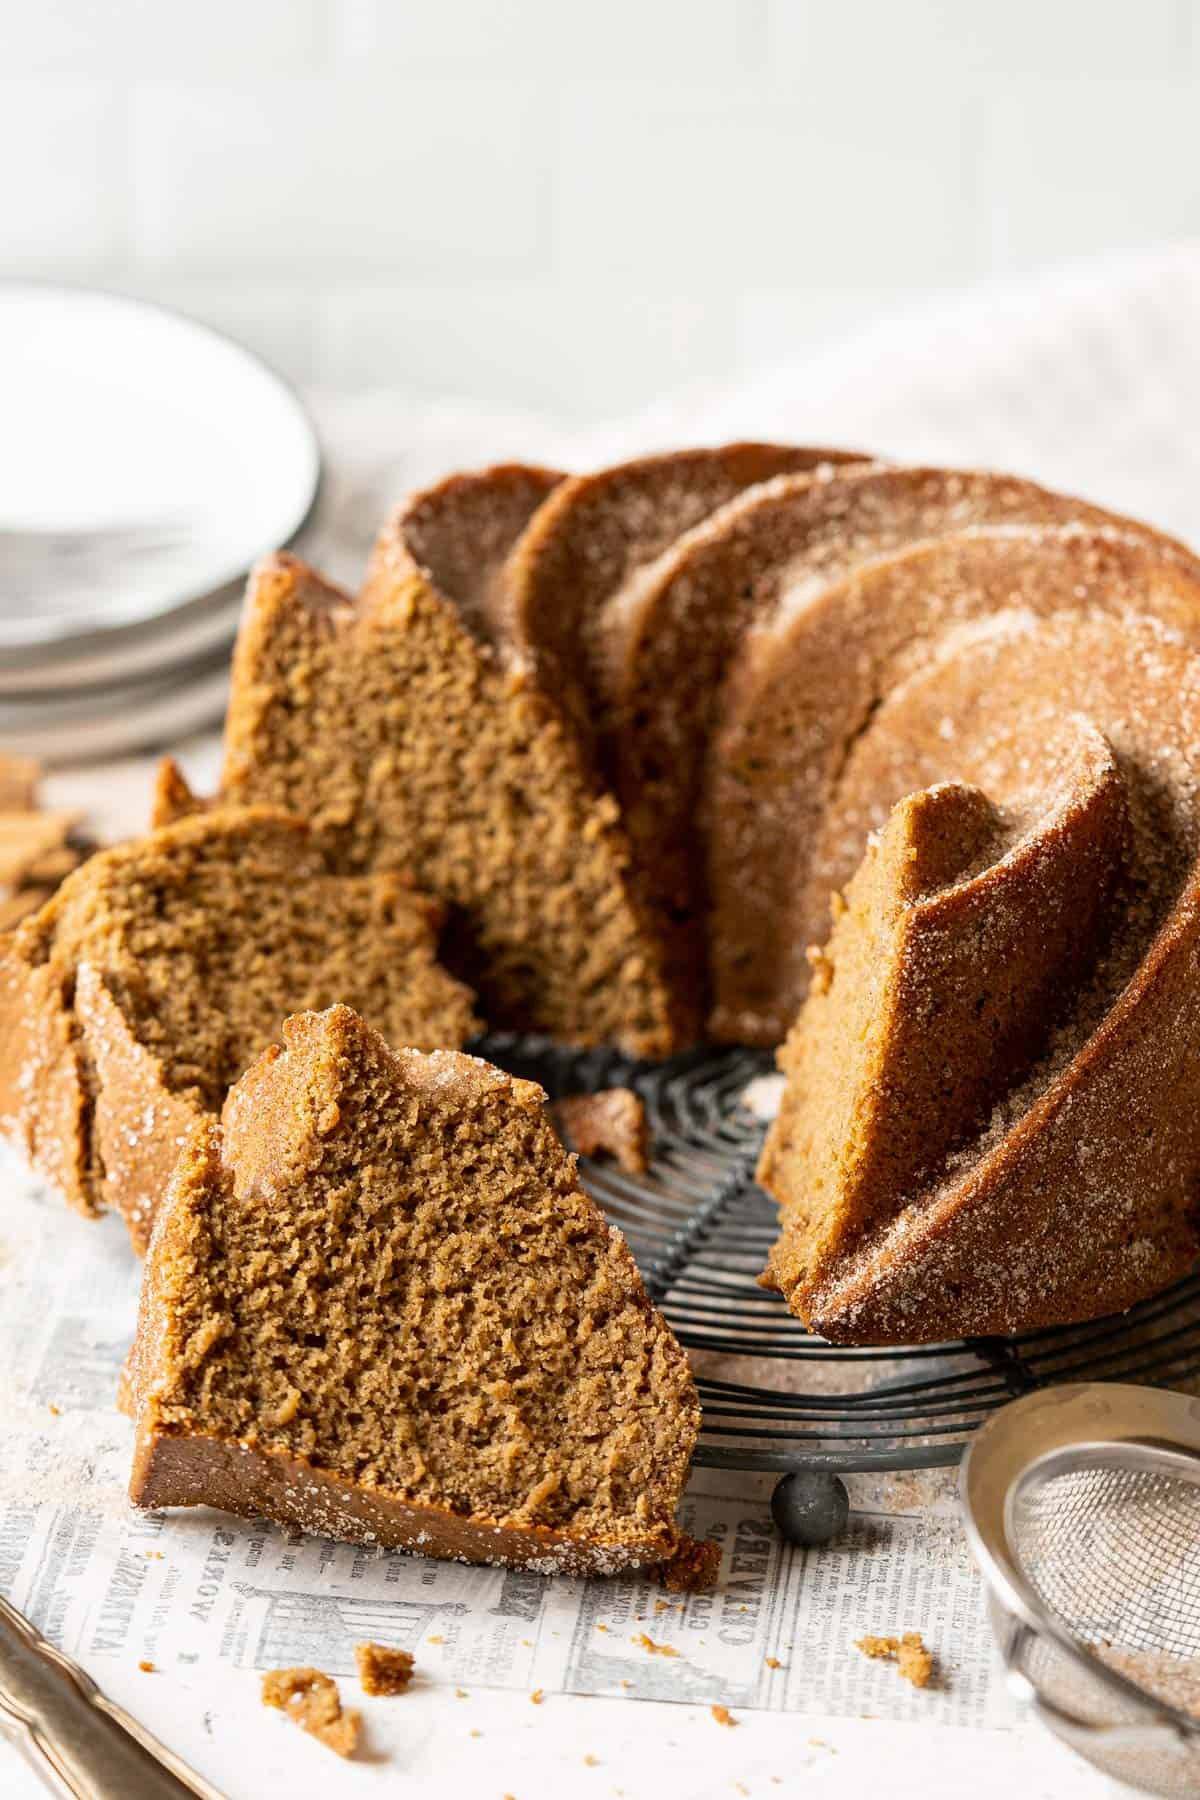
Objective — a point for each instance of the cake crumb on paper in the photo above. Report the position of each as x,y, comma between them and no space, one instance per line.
913,1661
722,1715
311,1700
652,1649
773,1662
382,1670
537,1696
695,1566
147,1668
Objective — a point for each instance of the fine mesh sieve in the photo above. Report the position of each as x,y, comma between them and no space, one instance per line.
1082,1506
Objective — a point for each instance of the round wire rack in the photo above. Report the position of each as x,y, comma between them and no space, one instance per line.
774,1396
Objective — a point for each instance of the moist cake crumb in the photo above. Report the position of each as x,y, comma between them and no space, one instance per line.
383,1670
913,1661
722,1715
410,726
651,1648
311,1700
611,1122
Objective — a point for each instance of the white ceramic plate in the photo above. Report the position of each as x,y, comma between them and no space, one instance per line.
118,414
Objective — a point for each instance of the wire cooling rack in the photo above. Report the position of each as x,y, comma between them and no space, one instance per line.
774,1396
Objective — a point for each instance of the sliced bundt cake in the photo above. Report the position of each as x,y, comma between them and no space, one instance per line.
142,990
991,1118
378,1305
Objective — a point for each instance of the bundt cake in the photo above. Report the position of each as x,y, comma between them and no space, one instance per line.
143,989
638,729
378,1305
641,733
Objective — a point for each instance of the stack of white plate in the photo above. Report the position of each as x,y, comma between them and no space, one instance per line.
145,463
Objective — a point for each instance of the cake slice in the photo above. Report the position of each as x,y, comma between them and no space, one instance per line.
378,1305
133,1000
409,727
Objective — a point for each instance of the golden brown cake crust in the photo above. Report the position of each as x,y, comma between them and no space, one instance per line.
598,539
596,531
952,953
765,779
482,1376
257,1483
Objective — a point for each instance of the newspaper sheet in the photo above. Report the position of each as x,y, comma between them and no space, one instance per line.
203,1594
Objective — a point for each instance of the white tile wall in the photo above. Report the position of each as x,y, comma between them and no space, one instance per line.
575,205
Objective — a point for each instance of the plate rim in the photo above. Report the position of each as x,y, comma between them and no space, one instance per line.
57,642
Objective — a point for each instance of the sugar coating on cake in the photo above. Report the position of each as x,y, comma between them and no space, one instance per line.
796,688
378,1305
982,1131
950,955
596,534
135,998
